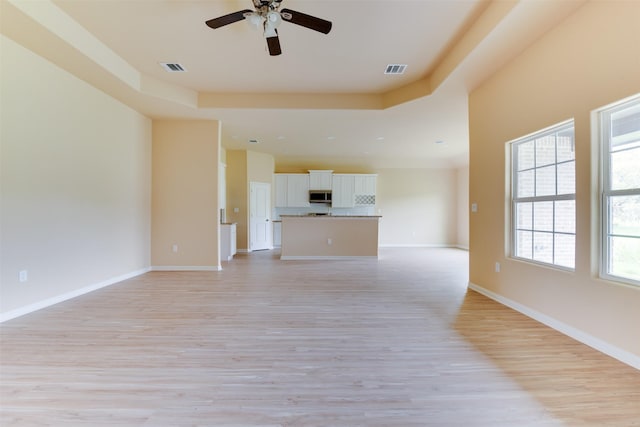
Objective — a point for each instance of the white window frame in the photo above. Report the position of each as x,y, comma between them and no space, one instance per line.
514,169
606,193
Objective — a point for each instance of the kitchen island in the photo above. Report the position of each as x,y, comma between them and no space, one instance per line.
329,237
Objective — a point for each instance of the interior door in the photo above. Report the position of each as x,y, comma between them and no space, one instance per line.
260,230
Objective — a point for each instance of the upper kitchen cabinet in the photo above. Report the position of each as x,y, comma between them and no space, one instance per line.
280,182
292,190
352,190
365,185
364,190
342,191
320,179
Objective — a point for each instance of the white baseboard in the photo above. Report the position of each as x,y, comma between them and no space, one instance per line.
30,308
186,268
326,258
417,245
578,335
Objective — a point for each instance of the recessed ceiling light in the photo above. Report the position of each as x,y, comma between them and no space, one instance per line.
280,137
439,141
380,138
331,138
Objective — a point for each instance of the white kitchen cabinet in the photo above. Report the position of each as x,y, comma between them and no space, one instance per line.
222,185
365,184
298,191
277,234
350,190
280,181
342,190
292,190
228,247
364,190
320,179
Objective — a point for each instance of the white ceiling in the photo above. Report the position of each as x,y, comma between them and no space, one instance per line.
325,100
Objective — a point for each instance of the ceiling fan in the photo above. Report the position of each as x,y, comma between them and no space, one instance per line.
267,14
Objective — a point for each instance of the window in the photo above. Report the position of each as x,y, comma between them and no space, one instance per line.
620,135
543,196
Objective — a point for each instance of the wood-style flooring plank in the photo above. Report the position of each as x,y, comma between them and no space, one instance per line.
397,341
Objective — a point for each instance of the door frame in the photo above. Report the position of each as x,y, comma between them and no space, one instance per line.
253,201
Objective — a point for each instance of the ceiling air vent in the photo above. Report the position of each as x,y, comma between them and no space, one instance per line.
173,67
395,69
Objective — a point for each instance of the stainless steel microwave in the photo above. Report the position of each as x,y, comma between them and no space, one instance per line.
320,196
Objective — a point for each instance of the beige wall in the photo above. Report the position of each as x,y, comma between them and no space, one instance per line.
75,185
185,209
237,194
260,167
418,207
462,206
588,61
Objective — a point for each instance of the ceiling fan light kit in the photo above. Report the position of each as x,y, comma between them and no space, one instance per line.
254,19
267,14
274,18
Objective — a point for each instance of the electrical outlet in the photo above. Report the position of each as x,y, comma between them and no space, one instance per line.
174,248
23,276
329,241
497,267
474,207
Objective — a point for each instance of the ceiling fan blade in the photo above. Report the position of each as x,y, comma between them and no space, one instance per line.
273,43
221,21
305,20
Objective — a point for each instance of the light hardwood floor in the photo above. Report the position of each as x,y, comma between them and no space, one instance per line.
393,342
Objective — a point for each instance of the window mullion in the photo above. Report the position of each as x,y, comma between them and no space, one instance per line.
571,196
623,192
553,234
534,152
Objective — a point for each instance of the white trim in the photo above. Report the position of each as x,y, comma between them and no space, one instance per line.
30,308
606,193
417,245
321,257
578,335
186,268
515,199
